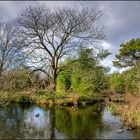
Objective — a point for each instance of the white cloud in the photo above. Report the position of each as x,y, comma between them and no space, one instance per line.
106,45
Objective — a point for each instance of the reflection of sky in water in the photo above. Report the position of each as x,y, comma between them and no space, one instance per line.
38,122
108,118
10,122
111,125
38,127
23,123
2,114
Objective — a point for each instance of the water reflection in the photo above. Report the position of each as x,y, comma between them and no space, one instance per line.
79,123
32,122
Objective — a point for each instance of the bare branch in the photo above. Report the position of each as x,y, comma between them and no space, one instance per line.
60,31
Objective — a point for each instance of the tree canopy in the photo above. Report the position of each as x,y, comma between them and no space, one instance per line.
129,54
85,74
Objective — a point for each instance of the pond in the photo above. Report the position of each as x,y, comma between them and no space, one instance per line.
33,122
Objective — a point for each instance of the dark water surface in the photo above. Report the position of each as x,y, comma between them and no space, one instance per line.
33,122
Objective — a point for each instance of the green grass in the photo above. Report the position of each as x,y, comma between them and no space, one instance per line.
44,98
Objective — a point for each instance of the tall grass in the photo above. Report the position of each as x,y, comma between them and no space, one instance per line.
128,112
117,82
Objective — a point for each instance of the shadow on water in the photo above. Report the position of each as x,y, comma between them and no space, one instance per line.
28,122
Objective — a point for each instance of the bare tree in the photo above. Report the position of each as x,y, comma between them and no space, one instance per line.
8,45
57,33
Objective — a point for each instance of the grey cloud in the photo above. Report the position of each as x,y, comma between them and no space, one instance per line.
122,23
121,19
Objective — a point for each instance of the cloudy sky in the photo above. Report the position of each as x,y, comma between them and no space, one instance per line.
121,20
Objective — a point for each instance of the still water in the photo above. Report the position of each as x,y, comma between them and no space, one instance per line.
33,122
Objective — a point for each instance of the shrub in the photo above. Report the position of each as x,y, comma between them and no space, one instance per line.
117,82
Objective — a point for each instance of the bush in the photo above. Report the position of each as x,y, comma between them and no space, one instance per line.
82,79
117,82
20,79
131,81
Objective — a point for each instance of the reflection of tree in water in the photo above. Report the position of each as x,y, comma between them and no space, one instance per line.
80,123
36,127
18,121
22,122
10,120
52,123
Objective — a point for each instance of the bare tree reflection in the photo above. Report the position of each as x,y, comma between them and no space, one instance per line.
52,122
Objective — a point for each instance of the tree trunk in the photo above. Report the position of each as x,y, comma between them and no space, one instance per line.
54,73
54,85
54,77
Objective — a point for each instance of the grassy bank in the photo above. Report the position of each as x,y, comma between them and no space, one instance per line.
45,98
129,111
126,106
